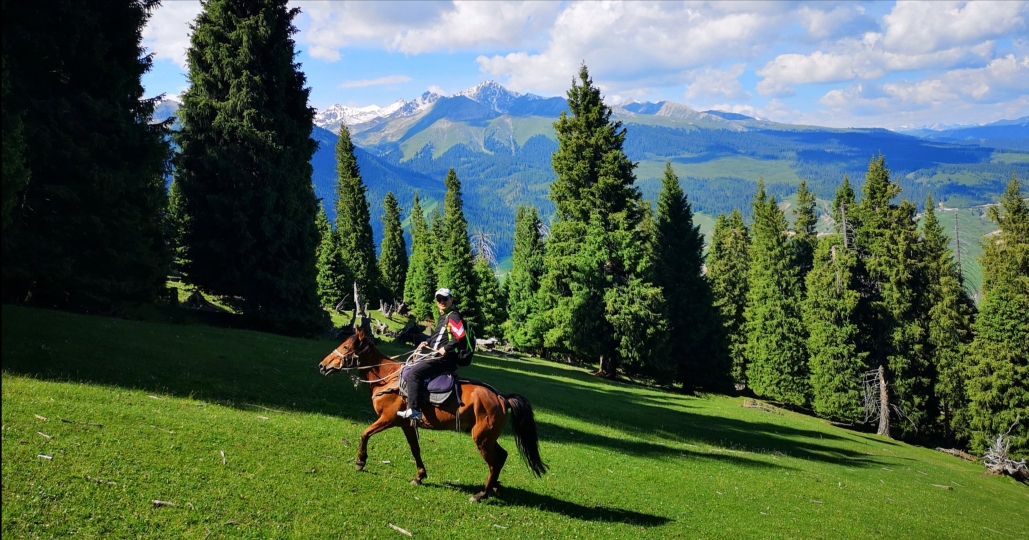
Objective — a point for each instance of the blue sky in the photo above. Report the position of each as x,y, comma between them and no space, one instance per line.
842,64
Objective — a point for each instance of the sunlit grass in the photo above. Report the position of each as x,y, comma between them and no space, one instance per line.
626,461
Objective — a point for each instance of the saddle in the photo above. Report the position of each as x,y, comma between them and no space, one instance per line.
440,388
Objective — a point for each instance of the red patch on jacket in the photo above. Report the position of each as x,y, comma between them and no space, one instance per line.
456,329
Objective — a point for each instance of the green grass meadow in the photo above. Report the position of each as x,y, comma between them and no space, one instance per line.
126,412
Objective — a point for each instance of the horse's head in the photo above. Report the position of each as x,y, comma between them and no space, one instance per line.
347,355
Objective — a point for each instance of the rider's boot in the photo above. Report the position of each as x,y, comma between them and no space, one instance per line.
412,414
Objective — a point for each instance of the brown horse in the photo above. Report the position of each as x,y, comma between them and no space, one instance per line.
483,412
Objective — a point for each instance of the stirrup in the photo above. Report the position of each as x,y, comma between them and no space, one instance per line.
413,414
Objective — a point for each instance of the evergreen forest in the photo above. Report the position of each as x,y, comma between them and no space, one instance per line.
859,313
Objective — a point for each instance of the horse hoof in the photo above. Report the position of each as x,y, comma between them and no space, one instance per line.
359,466
416,482
477,497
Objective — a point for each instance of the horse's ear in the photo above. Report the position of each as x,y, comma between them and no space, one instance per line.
360,333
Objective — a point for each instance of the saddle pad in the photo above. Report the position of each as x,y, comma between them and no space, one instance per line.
440,387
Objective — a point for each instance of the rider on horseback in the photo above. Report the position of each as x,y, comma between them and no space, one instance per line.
446,342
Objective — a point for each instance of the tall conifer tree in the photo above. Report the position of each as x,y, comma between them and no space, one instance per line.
997,390
353,220
804,239
679,258
776,350
334,280
522,328
393,255
457,268
421,281
949,320
244,165
597,207
728,267
491,300
89,227
888,245
830,317
15,175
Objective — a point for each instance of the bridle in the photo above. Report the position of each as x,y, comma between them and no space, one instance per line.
354,357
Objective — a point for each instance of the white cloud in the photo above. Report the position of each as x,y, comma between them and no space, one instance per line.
707,82
167,32
390,79
924,27
1001,80
822,24
420,27
633,44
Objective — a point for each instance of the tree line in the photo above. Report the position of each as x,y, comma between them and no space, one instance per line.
611,279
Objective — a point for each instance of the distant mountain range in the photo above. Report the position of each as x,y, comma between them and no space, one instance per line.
1012,134
500,143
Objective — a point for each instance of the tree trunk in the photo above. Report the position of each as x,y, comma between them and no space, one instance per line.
884,405
608,367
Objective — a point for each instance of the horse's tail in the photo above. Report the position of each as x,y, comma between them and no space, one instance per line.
523,423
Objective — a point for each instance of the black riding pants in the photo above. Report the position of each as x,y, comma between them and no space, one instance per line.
416,375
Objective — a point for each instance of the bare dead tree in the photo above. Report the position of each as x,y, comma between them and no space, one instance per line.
544,231
997,460
845,227
484,247
876,400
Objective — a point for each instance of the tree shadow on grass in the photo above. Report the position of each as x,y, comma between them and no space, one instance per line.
245,370
600,513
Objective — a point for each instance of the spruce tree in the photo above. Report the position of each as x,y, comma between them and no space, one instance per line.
492,301
393,255
244,165
15,174
88,229
597,205
894,284
437,239
997,391
949,321
843,207
353,220
830,318
334,281
420,283
457,271
522,328
177,227
804,239
728,267
692,321
776,348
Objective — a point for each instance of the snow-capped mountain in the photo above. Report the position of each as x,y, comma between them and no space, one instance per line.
332,117
166,107
489,94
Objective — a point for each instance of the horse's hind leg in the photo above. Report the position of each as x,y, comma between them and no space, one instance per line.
362,451
500,459
416,451
495,456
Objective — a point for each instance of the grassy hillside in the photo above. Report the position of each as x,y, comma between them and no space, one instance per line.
131,412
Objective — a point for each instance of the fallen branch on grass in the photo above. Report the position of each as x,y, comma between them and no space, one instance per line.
66,421
754,404
158,504
399,530
958,453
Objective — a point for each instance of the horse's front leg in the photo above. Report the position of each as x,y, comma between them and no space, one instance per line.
384,422
416,451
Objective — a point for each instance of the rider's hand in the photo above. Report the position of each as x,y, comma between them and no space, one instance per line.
423,344
441,352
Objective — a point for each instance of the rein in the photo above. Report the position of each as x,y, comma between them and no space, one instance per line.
358,368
